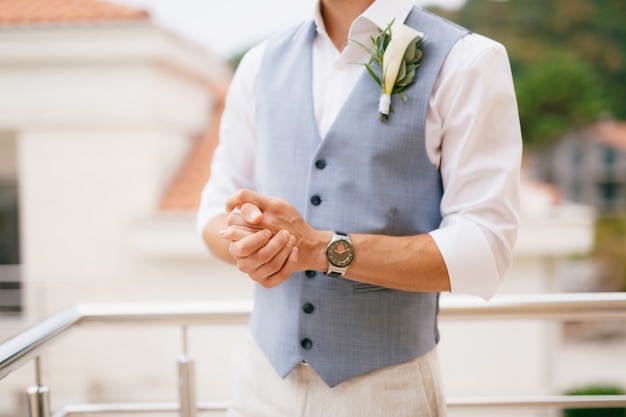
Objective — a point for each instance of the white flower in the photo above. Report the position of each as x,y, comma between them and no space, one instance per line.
397,52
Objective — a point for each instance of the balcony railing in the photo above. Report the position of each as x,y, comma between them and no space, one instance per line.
30,344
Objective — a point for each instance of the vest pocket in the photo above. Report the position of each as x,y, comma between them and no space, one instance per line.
361,288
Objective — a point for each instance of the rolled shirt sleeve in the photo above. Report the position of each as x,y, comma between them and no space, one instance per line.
233,162
474,112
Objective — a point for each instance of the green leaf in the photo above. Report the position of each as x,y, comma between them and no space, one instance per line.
373,74
409,53
418,55
407,80
369,50
401,71
378,42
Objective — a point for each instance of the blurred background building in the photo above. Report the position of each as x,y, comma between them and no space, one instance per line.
108,122
589,165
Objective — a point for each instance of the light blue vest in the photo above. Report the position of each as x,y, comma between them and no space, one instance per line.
365,176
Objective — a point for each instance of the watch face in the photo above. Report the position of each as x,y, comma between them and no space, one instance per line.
340,253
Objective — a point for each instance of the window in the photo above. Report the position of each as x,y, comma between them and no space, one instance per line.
610,156
10,271
10,283
608,193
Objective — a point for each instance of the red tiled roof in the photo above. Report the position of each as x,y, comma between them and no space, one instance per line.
610,132
184,192
20,12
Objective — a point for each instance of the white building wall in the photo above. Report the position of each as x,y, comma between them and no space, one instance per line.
100,118
79,192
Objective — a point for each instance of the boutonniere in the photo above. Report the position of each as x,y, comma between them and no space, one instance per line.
396,51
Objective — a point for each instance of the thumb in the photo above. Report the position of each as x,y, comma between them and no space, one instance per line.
251,213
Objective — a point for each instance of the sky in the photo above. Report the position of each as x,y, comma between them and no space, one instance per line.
228,27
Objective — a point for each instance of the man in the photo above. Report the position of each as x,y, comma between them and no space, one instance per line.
352,226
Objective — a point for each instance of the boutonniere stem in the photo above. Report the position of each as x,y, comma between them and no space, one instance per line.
396,51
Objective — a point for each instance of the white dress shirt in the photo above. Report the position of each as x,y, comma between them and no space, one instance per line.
472,135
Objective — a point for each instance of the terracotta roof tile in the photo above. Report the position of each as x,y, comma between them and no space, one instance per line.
21,12
183,194
610,132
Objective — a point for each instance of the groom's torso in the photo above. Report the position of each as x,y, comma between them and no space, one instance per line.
364,176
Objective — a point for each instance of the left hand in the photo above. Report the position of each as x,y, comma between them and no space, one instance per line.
267,258
260,212
263,212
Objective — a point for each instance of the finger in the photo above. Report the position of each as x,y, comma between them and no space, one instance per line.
252,263
235,233
283,243
250,244
240,197
236,219
250,213
285,272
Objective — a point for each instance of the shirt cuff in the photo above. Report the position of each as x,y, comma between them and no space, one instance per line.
469,259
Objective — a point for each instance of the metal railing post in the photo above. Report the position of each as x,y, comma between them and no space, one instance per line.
38,395
186,381
38,401
32,396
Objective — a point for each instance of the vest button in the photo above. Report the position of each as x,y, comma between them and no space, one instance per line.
308,308
320,164
316,200
306,343
310,273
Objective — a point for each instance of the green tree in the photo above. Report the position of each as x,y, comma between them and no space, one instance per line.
542,39
610,250
557,95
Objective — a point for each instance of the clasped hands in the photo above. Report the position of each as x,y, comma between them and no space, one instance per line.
269,239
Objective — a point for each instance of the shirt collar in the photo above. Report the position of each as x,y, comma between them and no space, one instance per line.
382,12
374,19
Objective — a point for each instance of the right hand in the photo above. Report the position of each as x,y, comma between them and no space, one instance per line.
267,258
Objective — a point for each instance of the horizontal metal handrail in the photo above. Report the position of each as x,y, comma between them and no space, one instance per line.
109,408
521,402
23,347
30,343
555,306
543,402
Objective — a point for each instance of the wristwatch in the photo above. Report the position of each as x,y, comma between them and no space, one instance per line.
340,254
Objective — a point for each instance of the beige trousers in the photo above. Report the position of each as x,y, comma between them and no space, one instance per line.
411,389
